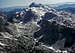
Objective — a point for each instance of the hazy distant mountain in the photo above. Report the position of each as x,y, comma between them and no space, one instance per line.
12,8
62,5
69,7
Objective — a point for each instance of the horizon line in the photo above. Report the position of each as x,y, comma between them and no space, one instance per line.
39,3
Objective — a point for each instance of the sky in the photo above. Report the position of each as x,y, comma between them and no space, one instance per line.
11,3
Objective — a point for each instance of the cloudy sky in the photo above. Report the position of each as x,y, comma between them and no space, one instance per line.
11,3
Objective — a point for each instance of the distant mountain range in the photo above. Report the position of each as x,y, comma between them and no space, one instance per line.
56,6
69,7
63,5
12,8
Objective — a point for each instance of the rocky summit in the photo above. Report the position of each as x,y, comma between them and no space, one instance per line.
37,29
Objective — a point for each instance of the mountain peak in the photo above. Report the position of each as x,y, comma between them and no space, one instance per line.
35,5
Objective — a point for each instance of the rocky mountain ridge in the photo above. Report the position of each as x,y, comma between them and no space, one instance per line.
37,28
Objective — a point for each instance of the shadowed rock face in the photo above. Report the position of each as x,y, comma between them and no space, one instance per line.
29,16
69,34
52,32
49,35
2,23
49,16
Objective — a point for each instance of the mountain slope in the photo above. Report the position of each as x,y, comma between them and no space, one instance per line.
39,28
